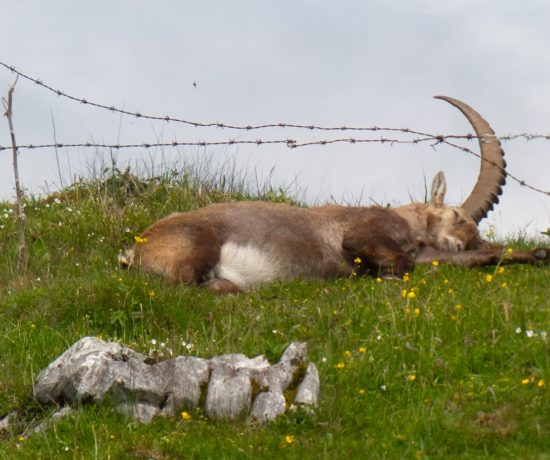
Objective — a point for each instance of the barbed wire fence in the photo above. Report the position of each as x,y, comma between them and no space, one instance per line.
415,136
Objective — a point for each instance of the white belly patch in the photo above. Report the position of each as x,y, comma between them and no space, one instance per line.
247,266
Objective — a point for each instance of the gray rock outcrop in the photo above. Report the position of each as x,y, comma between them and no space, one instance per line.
94,371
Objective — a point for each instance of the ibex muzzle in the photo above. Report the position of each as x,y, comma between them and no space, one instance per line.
235,246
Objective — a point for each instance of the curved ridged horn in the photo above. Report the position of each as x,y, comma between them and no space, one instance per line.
492,172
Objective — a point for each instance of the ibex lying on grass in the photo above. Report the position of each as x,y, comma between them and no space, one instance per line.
234,246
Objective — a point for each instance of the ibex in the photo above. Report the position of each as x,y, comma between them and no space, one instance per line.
231,247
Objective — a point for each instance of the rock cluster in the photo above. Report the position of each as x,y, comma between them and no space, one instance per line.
94,371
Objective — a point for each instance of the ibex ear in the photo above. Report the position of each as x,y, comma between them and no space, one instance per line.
439,187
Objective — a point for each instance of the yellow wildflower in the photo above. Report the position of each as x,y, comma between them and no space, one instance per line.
340,365
541,383
411,295
378,280
185,416
500,270
458,307
361,391
406,277
435,263
525,381
411,377
347,353
289,439
417,311
489,278
357,260
152,293
362,350
140,240
509,251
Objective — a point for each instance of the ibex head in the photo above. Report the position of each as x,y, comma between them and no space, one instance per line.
451,227
454,228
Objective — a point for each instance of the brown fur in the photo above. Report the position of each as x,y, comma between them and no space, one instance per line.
323,242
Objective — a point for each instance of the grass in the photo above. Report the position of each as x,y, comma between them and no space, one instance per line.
458,369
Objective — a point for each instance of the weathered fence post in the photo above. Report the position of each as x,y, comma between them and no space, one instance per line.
22,251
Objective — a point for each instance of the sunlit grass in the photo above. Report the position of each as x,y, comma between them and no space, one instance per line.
446,362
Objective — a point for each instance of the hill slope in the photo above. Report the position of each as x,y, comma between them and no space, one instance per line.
447,362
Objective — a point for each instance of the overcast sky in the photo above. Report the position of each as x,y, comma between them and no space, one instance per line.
356,63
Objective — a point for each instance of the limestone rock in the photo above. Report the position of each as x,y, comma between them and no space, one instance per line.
93,371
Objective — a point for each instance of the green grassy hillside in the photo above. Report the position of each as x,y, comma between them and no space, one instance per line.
446,363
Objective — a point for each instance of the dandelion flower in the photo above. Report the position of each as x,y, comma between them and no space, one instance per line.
361,391
411,295
361,349
417,311
406,277
509,251
340,365
357,260
140,240
489,278
525,381
378,280
411,377
500,270
541,383
186,416
435,263
289,439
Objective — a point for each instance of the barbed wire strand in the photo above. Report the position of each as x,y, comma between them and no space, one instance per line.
291,143
168,118
521,182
